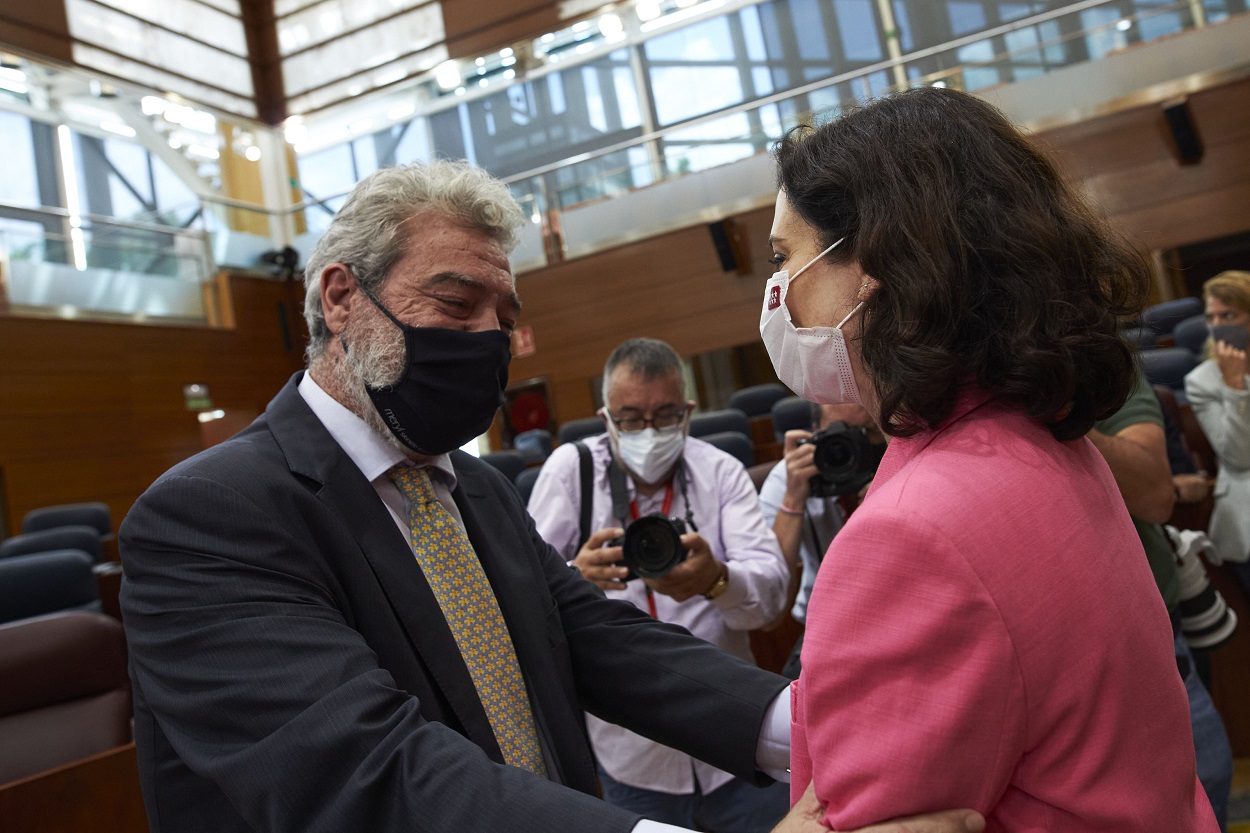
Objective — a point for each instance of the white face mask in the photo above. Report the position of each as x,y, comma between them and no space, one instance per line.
813,361
650,453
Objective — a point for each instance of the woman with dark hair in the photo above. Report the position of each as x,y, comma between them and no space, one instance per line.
985,630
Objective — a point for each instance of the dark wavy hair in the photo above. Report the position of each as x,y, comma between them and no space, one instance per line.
992,270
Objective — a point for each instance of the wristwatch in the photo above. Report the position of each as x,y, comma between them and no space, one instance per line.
720,585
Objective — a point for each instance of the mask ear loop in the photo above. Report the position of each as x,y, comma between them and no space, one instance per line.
835,245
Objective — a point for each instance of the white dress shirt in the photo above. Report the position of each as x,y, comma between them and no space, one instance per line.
725,508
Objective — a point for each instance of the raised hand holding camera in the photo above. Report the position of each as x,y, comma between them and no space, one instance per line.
599,560
692,577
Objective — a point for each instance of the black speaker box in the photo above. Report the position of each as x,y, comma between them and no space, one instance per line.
729,246
1183,133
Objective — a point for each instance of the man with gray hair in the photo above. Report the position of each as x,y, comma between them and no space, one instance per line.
337,621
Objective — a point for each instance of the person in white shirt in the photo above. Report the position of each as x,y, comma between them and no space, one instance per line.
732,580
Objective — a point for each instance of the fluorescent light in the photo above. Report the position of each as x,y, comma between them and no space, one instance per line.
69,165
210,416
648,10
611,26
252,153
1124,25
295,130
13,74
120,129
152,105
684,14
447,75
506,52
203,151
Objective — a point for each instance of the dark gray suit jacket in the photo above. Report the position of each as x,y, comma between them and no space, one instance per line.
293,672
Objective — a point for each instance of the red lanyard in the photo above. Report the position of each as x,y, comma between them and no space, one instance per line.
664,510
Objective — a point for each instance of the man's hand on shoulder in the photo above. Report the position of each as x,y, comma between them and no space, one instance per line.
600,564
693,576
805,817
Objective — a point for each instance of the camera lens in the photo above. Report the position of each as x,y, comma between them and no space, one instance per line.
652,546
835,454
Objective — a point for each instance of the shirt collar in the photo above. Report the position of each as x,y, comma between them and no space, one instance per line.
371,453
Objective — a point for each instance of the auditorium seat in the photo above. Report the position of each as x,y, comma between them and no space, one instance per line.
93,514
758,400
1168,366
77,537
1161,318
1143,337
579,429
66,694
534,445
509,463
790,414
47,582
525,482
1191,333
715,422
733,443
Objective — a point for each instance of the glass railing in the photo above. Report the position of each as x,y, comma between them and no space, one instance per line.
565,200
93,267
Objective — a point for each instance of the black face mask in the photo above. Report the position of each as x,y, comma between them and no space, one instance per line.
452,385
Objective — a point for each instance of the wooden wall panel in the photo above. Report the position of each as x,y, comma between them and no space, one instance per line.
41,28
669,287
95,411
474,28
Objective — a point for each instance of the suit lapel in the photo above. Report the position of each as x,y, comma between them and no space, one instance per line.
313,453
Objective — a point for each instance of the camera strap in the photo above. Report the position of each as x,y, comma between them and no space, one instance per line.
586,470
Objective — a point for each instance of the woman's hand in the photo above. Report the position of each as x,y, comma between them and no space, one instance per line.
805,817
1232,364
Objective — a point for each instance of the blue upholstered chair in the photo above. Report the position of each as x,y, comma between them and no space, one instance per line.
579,429
1191,333
534,445
1168,366
733,443
758,400
76,537
47,582
525,482
714,422
509,462
93,514
1163,317
790,414
1143,337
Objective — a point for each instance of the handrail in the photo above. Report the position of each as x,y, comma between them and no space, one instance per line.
57,211
814,86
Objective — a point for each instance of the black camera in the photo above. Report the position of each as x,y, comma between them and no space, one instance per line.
845,459
651,546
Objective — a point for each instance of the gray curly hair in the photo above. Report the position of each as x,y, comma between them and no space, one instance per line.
366,232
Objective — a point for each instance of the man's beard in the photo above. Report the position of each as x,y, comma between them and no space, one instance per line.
374,356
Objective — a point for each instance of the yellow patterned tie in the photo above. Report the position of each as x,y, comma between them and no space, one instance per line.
464,593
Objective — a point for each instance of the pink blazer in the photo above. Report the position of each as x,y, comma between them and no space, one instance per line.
985,632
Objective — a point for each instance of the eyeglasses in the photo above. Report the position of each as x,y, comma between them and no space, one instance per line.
631,424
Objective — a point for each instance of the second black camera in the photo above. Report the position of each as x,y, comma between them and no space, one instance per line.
845,458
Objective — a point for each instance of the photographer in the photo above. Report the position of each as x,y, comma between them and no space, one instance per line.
721,578
803,521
